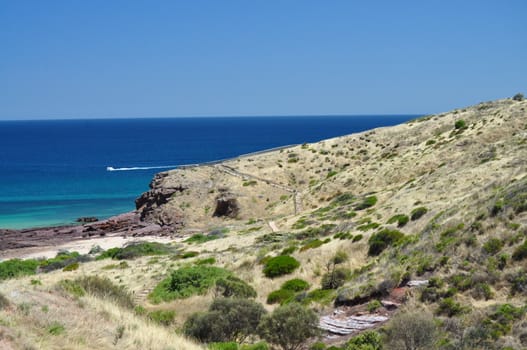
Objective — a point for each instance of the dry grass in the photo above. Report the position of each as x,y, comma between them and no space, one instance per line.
85,323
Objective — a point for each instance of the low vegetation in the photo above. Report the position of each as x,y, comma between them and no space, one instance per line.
280,265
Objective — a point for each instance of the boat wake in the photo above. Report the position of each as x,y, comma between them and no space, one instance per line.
111,168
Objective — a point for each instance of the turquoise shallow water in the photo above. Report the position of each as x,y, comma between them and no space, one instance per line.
52,172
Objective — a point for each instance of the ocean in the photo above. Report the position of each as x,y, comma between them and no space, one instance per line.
55,171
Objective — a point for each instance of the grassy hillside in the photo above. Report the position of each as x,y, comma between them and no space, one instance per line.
417,230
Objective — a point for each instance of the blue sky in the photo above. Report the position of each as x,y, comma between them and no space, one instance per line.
110,58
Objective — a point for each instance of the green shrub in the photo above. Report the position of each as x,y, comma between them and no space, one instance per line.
343,199
289,326
223,346
227,319
162,317
206,261
71,267
318,346
103,287
518,281
135,250
520,252
499,322
368,226
374,305
369,340
417,213
460,124
335,279
63,260
280,296
450,307
289,250
232,286
258,346
366,203
188,255
493,246
322,296
315,243
296,285
56,329
280,265
15,268
187,281
400,219
357,238
382,240
201,238
482,290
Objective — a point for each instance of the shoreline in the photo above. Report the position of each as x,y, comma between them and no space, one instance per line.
47,241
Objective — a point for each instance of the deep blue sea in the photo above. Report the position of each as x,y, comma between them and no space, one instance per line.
54,171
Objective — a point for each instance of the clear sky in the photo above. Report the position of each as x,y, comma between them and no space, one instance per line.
111,58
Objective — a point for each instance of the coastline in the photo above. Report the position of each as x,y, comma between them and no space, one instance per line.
47,241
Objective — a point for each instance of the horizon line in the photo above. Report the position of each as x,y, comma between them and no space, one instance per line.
220,116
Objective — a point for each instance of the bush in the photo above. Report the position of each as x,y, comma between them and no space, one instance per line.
187,281
103,287
71,267
369,340
374,305
232,286
63,260
493,246
315,243
518,281
382,240
135,250
366,203
357,238
415,330
417,213
15,267
450,308
201,238
162,317
223,346
520,252
281,296
460,124
296,285
400,219
518,97
72,288
289,326
335,279
280,265
226,320
499,322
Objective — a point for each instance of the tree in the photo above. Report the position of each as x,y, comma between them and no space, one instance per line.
289,326
518,97
411,331
228,319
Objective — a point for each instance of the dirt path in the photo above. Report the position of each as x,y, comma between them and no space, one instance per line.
297,196
273,226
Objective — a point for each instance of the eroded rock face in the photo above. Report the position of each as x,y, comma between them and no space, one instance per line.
226,205
150,204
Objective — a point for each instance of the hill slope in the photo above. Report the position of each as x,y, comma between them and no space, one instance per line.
428,218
